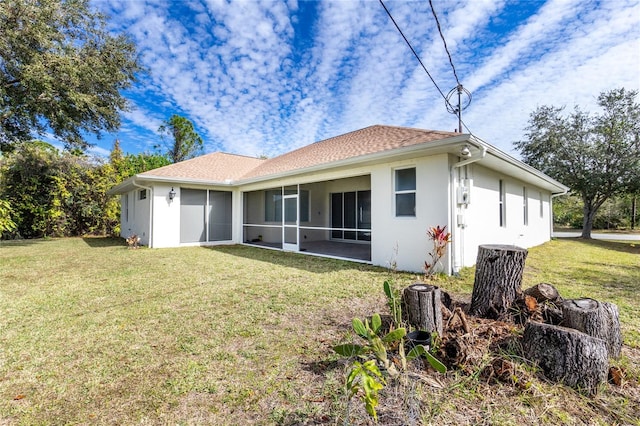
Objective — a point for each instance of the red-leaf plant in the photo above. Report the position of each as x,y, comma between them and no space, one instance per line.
441,238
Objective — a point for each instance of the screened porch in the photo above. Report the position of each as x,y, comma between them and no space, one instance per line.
330,218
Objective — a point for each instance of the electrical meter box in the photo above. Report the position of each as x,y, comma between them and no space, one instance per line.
464,191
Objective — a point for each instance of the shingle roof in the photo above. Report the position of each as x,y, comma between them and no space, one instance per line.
216,167
370,140
220,167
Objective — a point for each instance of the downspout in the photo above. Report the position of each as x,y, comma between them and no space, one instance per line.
454,226
565,192
150,189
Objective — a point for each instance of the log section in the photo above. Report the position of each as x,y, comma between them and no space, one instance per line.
422,307
543,292
597,319
497,281
567,355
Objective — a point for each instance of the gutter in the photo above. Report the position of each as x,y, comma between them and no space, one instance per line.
150,189
453,228
473,159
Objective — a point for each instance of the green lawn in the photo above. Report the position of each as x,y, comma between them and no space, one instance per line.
94,333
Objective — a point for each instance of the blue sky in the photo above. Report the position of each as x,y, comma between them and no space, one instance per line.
265,77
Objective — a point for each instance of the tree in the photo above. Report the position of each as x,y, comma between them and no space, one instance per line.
142,162
186,142
56,194
597,157
7,224
59,67
127,165
30,183
615,213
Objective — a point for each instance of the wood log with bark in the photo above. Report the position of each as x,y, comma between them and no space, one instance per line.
540,303
597,319
422,307
567,355
543,292
497,281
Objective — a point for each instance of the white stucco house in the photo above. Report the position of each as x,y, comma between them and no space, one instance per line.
368,196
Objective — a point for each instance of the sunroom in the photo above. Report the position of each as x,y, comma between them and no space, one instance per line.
329,218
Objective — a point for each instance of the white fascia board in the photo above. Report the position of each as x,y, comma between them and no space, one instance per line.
123,187
131,183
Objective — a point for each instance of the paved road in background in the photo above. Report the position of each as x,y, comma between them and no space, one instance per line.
599,236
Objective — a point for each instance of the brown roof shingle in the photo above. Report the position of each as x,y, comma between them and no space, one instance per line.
215,167
221,167
370,140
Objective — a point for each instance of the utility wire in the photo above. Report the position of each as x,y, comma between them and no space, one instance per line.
414,52
420,60
445,42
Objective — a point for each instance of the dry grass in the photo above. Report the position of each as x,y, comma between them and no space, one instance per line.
93,333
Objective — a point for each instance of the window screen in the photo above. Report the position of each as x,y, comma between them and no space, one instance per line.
405,192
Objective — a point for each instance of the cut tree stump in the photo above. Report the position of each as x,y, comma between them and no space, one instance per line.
497,281
543,292
422,307
567,355
597,319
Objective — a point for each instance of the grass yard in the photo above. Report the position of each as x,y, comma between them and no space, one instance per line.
94,333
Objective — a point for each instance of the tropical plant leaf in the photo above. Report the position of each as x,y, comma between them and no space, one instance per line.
379,350
371,385
372,367
376,323
395,335
435,363
349,350
387,290
359,328
416,352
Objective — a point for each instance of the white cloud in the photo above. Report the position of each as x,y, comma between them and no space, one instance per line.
257,77
599,54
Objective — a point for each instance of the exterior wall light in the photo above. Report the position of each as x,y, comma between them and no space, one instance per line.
172,194
465,152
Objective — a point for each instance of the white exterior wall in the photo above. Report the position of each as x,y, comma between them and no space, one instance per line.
166,216
394,239
138,216
482,220
408,234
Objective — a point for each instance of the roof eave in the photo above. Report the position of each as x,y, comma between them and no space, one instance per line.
129,184
503,156
553,185
120,188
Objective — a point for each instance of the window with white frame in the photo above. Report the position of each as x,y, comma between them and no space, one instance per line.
541,205
125,207
525,206
405,192
502,204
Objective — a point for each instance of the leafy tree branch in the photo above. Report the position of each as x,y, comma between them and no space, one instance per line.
597,156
